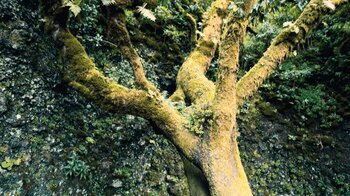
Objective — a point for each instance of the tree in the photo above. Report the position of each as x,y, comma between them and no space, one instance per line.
212,106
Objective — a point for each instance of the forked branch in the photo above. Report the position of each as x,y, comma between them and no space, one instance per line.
221,149
191,80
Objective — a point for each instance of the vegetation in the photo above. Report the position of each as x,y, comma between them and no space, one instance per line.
124,57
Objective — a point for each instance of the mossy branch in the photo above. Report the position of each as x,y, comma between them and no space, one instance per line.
82,75
191,77
119,35
233,33
283,45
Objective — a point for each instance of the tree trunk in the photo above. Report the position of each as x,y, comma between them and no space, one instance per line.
224,171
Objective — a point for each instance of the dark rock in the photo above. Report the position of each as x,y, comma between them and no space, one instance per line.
3,107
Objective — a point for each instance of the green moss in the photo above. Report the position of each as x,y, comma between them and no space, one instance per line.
206,47
80,88
267,109
3,149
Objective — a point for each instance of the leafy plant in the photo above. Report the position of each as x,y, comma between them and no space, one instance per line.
8,163
74,6
314,104
76,167
173,33
199,119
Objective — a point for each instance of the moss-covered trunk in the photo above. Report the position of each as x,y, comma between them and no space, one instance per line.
221,172
224,171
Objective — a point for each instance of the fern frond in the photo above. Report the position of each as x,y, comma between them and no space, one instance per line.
329,4
146,12
108,2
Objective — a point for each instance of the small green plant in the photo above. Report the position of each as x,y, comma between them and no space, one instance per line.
76,167
199,118
8,163
292,137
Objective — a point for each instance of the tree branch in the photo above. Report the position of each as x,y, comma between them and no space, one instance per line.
119,35
224,106
82,75
191,78
282,45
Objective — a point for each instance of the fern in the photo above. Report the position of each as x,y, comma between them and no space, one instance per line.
146,12
108,2
329,4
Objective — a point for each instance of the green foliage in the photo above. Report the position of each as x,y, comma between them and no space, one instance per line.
163,13
306,84
199,119
12,10
76,167
204,4
276,9
173,33
88,25
315,104
9,10
255,45
342,180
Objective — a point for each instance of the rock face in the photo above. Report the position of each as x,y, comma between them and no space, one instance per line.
3,107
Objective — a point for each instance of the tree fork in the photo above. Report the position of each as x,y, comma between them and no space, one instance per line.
191,79
216,153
